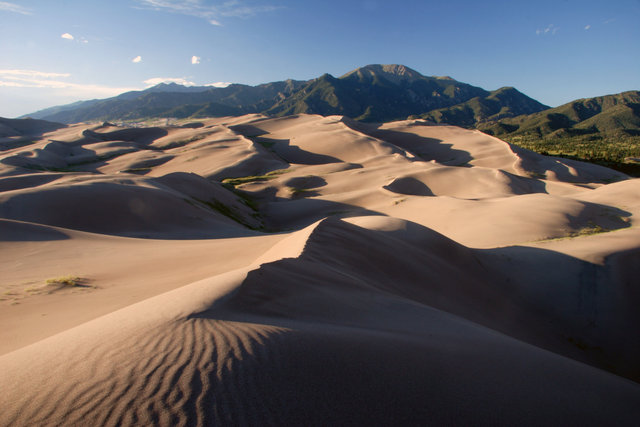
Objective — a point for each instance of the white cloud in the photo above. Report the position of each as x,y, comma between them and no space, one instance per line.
211,13
178,80
609,21
67,36
12,7
137,59
587,27
46,80
29,74
195,60
550,29
218,84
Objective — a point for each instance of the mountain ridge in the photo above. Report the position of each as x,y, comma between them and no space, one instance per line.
371,93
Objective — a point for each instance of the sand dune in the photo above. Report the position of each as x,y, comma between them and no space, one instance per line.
313,270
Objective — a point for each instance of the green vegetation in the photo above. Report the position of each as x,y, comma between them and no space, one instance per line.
301,192
617,153
588,230
58,284
66,281
229,212
254,178
502,103
603,130
140,171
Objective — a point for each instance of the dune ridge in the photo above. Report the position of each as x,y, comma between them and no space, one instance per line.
314,270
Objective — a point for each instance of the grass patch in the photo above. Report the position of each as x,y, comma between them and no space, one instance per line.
265,143
66,281
588,231
137,171
228,212
253,178
60,283
300,191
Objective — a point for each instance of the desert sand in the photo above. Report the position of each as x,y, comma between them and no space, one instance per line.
312,270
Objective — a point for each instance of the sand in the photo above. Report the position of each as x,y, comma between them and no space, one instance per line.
312,270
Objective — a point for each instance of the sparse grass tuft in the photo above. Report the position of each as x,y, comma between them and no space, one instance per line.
66,281
55,284
254,178
588,230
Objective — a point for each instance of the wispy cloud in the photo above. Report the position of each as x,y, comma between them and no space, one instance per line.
587,27
137,59
548,30
218,84
195,60
179,80
46,80
609,21
211,13
30,74
12,7
67,36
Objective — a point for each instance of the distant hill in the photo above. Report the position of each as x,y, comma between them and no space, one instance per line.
619,114
19,132
503,103
604,129
375,93
26,127
172,100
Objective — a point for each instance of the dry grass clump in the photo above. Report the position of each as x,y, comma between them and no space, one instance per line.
588,230
59,284
66,281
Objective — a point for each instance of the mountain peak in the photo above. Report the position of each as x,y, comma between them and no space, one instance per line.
395,73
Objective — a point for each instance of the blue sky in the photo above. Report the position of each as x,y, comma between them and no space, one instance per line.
56,52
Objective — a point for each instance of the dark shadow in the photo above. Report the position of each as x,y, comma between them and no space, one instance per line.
596,218
194,125
424,148
306,182
248,131
580,309
409,186
141,135
293,214
10,143
524,185
294,154
18,231
11,183
28,127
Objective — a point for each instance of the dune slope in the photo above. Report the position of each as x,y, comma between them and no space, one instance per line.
313,270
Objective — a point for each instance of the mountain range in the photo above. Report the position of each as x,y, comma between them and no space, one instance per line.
375,93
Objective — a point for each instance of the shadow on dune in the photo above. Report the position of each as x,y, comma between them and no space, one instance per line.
294,154
597,218
425,148
409,186
584,310
355,277
16,231
143,136
27,127
248,131
293,214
